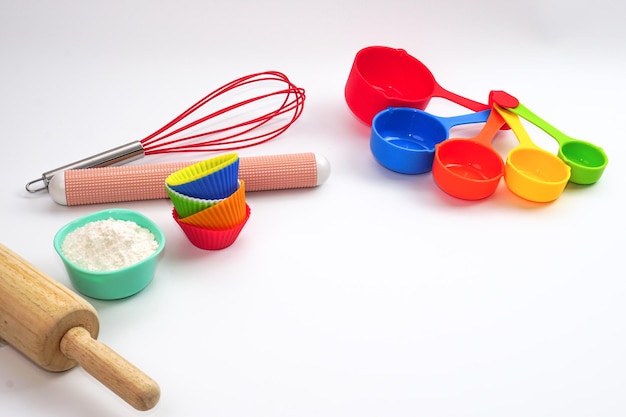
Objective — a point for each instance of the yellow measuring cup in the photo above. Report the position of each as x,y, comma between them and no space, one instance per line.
530,171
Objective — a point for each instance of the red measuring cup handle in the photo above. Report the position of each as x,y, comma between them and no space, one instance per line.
503,99
439,91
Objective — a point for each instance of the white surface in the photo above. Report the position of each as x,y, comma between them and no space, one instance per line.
372,295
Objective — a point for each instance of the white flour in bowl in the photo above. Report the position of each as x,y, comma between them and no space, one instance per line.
107,245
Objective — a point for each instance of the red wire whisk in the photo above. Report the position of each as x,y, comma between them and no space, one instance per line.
242,113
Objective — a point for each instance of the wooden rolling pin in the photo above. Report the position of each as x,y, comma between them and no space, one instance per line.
57,330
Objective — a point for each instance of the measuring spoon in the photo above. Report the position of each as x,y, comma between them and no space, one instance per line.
530,171
586,160
383,77
403,139
470,168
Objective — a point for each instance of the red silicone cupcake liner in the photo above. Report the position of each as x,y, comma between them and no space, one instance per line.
211,239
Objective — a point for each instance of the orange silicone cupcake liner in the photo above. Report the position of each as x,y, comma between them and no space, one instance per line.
226,213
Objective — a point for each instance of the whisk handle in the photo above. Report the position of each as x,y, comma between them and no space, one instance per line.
147,182
115,156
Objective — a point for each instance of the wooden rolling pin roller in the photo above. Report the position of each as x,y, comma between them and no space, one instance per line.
57,330
147,182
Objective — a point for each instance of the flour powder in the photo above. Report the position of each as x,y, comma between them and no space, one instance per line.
107,245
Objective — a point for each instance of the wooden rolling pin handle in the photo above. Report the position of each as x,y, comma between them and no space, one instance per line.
115,372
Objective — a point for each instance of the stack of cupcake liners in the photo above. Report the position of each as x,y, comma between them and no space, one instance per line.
209,201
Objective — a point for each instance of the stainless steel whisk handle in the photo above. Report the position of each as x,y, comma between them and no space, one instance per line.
115,156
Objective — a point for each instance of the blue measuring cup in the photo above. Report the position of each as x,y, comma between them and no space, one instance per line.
403,139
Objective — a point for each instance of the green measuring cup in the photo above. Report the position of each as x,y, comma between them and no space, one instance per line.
586,160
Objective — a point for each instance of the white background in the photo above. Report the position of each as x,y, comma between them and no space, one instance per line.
374,294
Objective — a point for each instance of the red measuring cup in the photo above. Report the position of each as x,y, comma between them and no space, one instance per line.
383,77
470,168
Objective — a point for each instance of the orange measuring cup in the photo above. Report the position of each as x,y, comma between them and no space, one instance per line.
530,171
470,168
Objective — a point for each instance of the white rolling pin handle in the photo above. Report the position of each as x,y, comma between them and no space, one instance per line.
147,182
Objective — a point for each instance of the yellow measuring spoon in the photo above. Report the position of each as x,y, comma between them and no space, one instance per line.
530,171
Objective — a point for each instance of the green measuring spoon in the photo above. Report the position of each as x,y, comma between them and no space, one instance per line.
586,160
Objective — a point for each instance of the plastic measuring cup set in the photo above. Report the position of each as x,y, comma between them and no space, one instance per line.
388,89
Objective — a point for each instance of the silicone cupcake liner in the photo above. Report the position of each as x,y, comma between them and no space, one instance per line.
186,205
226,213
212,239
201,169
211,179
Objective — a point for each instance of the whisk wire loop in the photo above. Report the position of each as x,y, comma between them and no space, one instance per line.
226,137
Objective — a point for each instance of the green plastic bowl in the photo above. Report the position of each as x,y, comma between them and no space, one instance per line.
119,283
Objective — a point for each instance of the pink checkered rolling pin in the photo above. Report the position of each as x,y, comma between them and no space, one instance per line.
147,182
